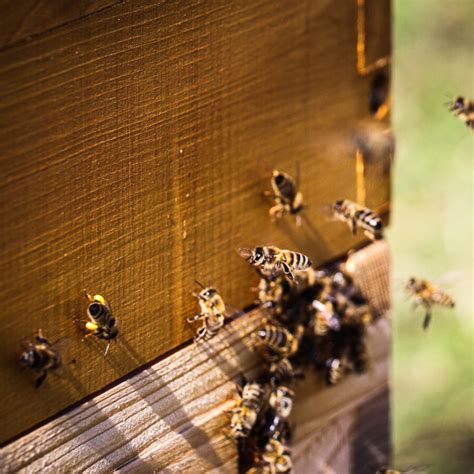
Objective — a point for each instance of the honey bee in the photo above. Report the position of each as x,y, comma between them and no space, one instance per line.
358,216
464,110
212,313
41,356
335,371
276,341
283,372
324,318
276,458
274,424
101,324
286,195
244,416
272,259
426,294
271,293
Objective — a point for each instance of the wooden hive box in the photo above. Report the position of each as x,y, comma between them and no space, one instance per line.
136,139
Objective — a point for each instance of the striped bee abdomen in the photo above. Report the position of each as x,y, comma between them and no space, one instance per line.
296,260
251,396
443,299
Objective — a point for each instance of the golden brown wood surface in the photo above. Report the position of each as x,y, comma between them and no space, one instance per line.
170,417
24,19
134,146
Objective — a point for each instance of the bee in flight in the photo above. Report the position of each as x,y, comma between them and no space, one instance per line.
464,110
286,195
426,294
212,313
272,259
358,216
41,356
101,323
244,415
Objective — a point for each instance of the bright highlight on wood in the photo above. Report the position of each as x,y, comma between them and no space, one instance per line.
360,178
362,68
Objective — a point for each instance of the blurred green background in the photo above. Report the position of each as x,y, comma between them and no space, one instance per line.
431,235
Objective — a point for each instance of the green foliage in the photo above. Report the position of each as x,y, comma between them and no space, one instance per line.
431,234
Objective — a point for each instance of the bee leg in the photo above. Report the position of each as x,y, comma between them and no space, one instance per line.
286,270
88,296
298,220
426,321
201,333
276,212
107,349
197,317
353,226
369,235
39,381
40,338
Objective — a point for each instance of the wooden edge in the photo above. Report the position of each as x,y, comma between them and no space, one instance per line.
171,416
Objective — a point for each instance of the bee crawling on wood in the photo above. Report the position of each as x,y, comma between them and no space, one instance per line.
427,295
336,369
275,420
41,356
464,110
282,372
272,259
212,313
275,342
356,216
286,195
244,416
101,323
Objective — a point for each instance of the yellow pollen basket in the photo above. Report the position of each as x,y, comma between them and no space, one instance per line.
99,299
91,326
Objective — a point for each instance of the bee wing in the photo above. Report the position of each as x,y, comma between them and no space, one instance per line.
451,277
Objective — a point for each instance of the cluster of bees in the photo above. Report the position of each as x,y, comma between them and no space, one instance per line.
316,319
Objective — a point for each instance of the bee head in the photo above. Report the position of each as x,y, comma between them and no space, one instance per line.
338,205
458,103
28,358
94,309
258,256
410,284
207,293
278,177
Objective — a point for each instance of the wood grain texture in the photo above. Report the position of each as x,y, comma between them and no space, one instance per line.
170,416
134,146
23,19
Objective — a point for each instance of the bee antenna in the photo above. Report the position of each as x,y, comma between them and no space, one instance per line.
199,284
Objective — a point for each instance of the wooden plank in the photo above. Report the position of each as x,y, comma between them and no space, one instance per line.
170,416
371,435
134,146
22,19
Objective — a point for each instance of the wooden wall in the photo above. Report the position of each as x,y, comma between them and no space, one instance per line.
136,138
170,417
